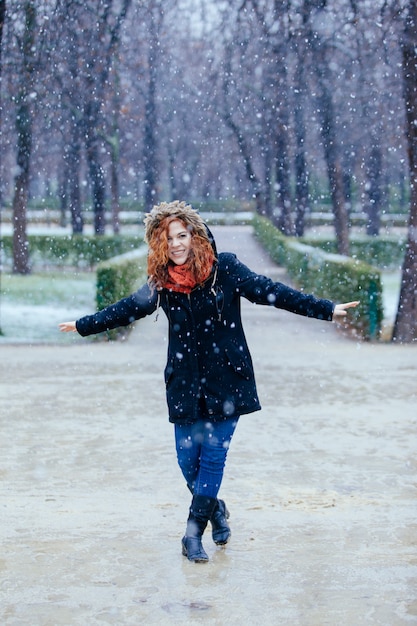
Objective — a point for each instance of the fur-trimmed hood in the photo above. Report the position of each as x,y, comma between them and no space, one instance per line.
178,210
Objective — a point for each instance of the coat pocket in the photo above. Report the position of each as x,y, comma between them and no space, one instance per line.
240,363
176,368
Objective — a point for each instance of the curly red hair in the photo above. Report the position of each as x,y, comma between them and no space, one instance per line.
200,260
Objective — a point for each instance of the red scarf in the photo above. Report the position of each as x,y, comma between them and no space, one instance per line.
181,279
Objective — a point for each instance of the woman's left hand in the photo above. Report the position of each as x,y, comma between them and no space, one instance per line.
67,327
340,309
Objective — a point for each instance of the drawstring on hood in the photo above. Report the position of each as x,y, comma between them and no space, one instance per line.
218,295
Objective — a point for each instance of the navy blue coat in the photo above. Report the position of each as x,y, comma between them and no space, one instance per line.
209,366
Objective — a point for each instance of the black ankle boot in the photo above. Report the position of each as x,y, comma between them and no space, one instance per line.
220,529
201,510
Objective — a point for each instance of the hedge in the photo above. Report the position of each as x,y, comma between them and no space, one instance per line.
117,278
384,252
332,276
76,250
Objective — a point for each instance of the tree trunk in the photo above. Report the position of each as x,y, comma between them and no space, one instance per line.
374,191
150,141
149,148
62,196
114,188
98,187
74,193
301,173
326,114
332,158
268,178
244,148
114,145
108,22
72,160
20,240
282,142
2,16
171,169
405,328
24,145
282,173
300,99
246,155
92,144
21,190
72,138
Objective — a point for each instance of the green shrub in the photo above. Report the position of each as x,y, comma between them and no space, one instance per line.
332,276
384,252
274,242
340,279
117,278
75,250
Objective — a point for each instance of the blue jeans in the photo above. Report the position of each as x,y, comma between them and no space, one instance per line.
202,449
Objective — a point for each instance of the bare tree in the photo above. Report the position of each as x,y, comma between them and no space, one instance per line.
23,124
239,134
249,110
321,50
68,78
2,17
109,17
273,19
147,57
90,38
298,42
405,328
113,141
154,20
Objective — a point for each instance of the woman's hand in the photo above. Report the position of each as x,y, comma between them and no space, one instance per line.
68,327
340,309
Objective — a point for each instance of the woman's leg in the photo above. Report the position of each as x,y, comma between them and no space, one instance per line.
214,451
202,449
188,441
214,448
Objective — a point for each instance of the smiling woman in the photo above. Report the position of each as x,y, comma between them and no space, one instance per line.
209,375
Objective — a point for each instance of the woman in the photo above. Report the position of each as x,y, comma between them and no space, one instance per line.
209,374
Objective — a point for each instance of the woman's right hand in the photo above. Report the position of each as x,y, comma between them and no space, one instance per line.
68,327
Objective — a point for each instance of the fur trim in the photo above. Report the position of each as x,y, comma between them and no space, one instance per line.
176,209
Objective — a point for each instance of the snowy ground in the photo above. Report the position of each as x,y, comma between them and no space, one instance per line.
31,307
320,484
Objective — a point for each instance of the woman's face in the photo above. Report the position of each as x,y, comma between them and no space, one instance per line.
179,242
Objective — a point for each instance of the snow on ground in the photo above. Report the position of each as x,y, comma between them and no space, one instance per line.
320,483
25,323
31,307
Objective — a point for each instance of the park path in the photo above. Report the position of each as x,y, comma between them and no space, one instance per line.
320,484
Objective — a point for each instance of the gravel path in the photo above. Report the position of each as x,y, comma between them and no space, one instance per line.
320,483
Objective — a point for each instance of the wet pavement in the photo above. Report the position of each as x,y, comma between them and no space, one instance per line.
321,483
